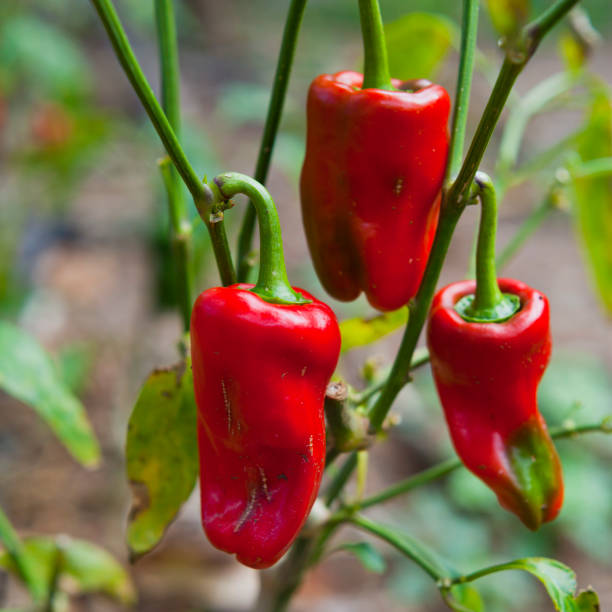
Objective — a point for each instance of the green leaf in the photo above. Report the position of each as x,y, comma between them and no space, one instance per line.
370,558
593,196
508,16
17,556
161,454
464,598
572,53
558,579
95,570
27,373
89,568
44,57
417,44
361,332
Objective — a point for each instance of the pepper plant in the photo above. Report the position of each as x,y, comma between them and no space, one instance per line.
384,184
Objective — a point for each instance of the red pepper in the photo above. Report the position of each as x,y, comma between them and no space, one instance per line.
370,185
487,376
489,343
262,357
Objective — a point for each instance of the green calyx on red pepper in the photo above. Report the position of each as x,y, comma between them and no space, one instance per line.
490,343
262,357
372,174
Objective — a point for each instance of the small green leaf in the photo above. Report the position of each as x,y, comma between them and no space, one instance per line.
43,56
27,373
91,569
161,454
17,557
369,557
95,570
417,44
361,332
558,579
572,52
465,598
508,16
593,196
587,601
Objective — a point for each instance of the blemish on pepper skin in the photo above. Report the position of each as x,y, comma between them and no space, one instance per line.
264,483
249,508
398,186
311,445
228,406
303,370
304,457
282,476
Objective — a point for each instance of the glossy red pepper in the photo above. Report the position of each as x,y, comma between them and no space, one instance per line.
370,185
487,376
262,357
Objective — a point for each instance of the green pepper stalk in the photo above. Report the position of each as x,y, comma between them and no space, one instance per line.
488,304
272,283
376,66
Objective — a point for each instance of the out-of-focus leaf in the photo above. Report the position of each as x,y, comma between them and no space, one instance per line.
91,569
593,196
161,454
18,558
574,381
361,332
95,570
508,16
74,362
369,557
417,44
27,373
244,103
559,581
42,55
572,52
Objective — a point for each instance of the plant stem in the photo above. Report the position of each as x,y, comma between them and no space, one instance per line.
446,467
181,241
179,222
275,110
340,479
417,480
469,32
488,294
488,304
402,543
272,282
202,196
376,65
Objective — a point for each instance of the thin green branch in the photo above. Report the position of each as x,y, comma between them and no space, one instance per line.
405,545
540,26
418,480
275,109
202,195
179,221
469,33
340,479
567,430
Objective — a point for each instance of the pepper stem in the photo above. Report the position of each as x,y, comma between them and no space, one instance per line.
272,283
376,66
488,304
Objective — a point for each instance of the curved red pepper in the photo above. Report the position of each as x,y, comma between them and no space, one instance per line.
370,184
260,371
487,376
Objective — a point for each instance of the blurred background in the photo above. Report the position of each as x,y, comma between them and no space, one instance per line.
85,268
